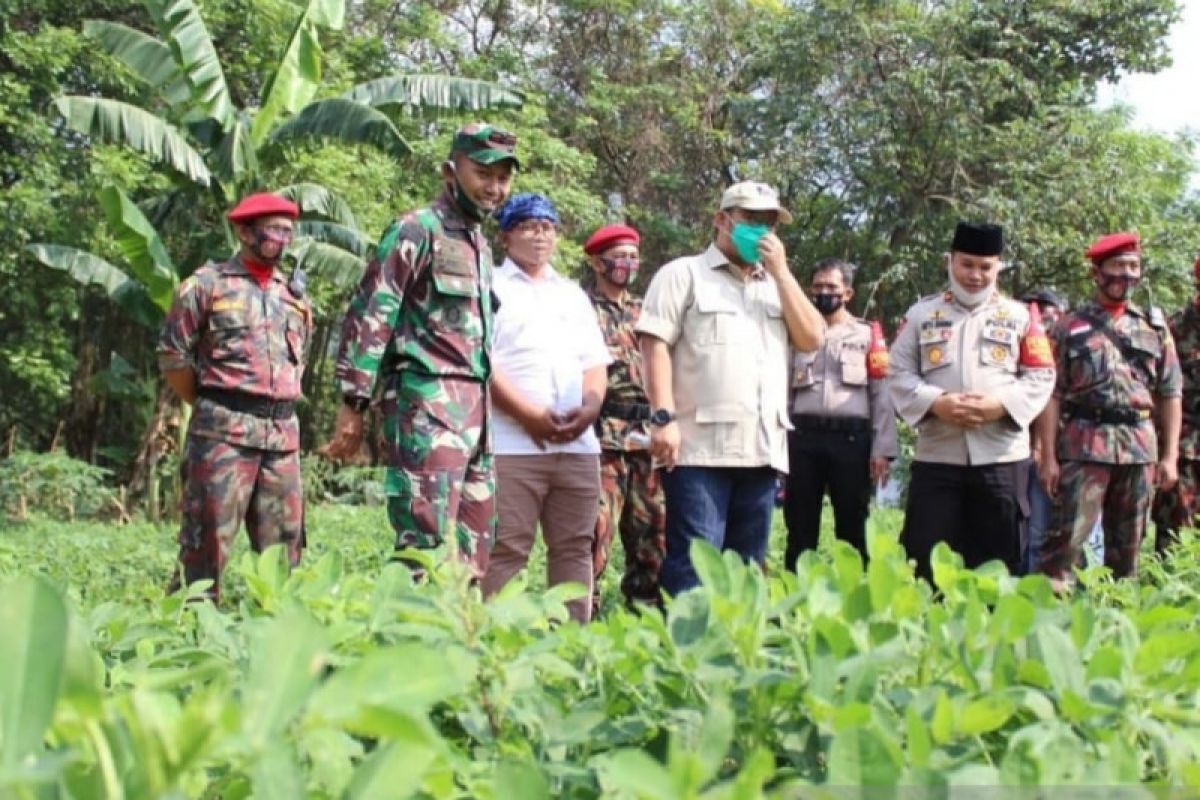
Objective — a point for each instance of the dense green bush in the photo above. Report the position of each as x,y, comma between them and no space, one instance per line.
54,483
345,679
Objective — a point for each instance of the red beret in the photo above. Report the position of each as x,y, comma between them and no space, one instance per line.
610,236
263,204
1114,244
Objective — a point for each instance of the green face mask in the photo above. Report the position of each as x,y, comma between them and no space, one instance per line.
745,238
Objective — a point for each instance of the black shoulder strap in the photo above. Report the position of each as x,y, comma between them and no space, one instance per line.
1102,325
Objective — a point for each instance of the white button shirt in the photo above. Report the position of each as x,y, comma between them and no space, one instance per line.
546,337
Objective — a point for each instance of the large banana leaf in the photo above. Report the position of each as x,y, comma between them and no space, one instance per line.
147,57
298,75
313,198
435,92
180,24
120,123
330,263
339,118
86,268
235,156
141,246
338,235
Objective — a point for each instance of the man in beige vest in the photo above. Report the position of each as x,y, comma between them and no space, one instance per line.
714,333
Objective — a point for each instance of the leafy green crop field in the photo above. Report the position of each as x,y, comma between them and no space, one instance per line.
344,679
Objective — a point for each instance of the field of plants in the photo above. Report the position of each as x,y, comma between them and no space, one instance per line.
344,679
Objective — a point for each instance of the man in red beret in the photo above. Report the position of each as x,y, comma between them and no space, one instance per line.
1176,507
234,346
631,499
1118,374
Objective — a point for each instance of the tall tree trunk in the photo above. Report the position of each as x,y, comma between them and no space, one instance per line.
162,435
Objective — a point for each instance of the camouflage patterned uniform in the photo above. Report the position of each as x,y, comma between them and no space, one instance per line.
1176,508
248,347
422,316
1108,445
631,499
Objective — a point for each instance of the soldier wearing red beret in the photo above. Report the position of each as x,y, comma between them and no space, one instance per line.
234,345
1118,374
1176,507
631,500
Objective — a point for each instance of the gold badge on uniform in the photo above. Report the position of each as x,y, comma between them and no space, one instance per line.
1001,313
999,353
935,355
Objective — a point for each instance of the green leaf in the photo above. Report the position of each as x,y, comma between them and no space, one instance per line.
321,201
235,157
338,235
298,74
513,779
942,725
634,773
1061,659
710,568
180,24
918,742
863,757
148,58
139,242
120,123
333,264
88,269
389,768
286,659
435,92
985,715
34,620
346,121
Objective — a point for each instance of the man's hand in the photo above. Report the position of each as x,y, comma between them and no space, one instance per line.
543,425
773,255
347,435
573,424
1166,473
664,445
1049,474
879,467
967,409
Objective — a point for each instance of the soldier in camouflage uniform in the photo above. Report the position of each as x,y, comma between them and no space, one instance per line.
422,316
1175,508
234,345
1117,372
631,498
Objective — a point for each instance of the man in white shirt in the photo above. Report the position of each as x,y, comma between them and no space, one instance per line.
549,373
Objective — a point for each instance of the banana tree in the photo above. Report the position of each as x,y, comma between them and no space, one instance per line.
214,151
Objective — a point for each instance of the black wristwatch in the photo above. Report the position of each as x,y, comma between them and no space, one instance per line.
359,404
662,417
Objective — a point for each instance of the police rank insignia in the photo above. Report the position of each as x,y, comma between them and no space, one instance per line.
935,355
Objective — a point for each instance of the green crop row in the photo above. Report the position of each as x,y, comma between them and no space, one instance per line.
840,680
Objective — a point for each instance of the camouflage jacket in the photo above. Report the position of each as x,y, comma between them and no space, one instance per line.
1094,374
239,337
1185,329
617,320
424,304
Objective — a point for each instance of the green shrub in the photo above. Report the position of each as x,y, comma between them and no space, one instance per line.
56,485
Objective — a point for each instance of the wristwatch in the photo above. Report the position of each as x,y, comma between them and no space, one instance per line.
662,417
356,403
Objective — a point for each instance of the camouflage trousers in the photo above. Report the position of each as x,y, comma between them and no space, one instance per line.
631,502
1087,491
440,479
225,483
1176,508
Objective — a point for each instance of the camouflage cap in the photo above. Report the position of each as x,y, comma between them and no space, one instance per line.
485,144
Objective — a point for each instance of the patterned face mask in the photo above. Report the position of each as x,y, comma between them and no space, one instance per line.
620,270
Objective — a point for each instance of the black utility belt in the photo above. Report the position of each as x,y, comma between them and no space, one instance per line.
1107,416
631,412
253,404
814,422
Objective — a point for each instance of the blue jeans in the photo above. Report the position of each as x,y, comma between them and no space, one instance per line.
729,507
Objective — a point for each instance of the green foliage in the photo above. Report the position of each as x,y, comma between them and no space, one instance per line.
56,484
344,678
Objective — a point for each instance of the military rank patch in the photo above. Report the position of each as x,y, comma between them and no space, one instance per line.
228,305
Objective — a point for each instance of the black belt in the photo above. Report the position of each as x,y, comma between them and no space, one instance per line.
1106,416
632,412
253,404
813,422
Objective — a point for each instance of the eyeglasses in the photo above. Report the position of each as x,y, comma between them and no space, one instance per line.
532,227
278,232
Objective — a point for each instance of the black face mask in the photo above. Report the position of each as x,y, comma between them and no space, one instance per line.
465,204
1117,287
261,238
827,303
